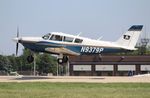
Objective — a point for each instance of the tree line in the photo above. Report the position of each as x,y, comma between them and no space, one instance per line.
45,63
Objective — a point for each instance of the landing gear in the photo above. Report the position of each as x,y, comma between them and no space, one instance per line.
62,60
59,61
63,65
30,59
65,59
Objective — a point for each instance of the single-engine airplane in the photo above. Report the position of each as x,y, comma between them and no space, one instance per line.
65,44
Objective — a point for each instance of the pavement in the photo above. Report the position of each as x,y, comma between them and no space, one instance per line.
84,79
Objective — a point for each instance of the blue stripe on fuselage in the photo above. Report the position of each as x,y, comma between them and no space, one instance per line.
42,45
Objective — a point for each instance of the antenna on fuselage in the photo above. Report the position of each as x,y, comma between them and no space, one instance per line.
100,38
79,34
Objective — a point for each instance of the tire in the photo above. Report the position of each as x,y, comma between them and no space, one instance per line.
65,59
30,59
59,61
62,60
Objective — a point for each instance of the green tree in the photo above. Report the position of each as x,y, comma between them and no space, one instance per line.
46,64
13,62
5,64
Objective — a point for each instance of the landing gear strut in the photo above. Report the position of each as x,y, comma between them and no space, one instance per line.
63,65
30,59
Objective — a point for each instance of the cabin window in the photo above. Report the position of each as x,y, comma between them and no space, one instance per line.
46,37
77,40
56,38
68,39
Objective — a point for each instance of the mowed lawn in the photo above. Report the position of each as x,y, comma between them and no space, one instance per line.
74,90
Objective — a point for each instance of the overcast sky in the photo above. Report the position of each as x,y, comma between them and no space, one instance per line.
95,18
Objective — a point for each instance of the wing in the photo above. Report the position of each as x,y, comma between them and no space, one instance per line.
61,50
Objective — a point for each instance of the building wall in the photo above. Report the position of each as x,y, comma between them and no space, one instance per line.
109,65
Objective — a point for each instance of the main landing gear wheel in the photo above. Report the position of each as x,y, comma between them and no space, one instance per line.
62,60
30,59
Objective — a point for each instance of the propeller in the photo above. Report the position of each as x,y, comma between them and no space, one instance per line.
17,44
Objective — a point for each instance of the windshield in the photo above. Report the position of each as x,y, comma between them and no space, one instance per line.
46,37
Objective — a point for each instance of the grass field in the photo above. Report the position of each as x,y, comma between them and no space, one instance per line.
74,90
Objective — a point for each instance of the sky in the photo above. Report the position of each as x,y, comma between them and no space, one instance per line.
94,18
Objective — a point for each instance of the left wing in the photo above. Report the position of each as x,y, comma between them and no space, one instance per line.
61,50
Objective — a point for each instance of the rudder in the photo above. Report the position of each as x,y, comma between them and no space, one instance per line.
130,38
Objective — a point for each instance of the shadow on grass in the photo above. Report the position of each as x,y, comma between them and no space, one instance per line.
32,78
46,77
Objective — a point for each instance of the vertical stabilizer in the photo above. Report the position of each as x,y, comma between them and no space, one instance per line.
130,38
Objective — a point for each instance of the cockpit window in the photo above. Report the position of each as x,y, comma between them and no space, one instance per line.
68,39
56,38
77,40
46,37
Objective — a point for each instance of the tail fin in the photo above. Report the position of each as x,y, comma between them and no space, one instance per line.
130,38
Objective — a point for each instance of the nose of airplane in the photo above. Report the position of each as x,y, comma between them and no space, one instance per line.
26,39
16,39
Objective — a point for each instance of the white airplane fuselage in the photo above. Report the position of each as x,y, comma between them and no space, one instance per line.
66,44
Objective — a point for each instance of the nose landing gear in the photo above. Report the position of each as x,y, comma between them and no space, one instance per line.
30,59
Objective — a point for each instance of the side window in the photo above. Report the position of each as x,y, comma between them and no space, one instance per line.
78,40
56,38
68,39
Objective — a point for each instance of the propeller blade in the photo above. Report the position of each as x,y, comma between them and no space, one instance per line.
17,32
17,46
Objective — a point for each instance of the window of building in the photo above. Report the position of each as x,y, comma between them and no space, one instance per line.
68,39
56,38
77,40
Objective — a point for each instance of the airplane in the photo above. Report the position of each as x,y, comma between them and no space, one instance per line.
65,45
